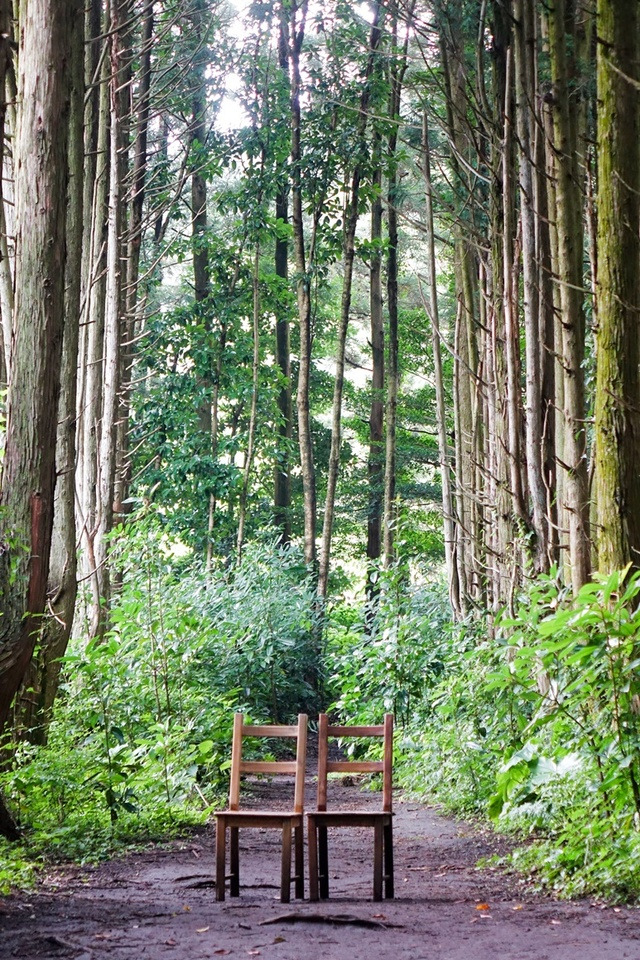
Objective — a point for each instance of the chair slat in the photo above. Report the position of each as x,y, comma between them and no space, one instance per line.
387,785
268,730
300,764
355,766
268,766
323,755
376,731
236,755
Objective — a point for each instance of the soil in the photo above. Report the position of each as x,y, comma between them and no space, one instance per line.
160,904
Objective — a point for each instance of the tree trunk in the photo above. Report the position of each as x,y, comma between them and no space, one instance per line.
376,415
92,357
6,280
282,474
525,86
253,413
501,535
93,32
41,685
570,279
441,416
397,71
134,247
296,29
282,487
351,223
113,320
617,408
512,331
28,477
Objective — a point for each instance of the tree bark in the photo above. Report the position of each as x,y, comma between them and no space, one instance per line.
397,70
525,88
41,684
441,416
6,280
617,407
253,412
561,19
282,478
134,249
113,312
28,477
351,223
92,356
296,30
376,416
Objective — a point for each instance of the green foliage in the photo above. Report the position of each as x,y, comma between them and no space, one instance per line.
576,663
388,660
140,744
538,726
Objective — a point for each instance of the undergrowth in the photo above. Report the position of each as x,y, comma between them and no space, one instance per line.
534,723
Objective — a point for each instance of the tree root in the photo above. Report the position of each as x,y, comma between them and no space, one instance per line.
335,918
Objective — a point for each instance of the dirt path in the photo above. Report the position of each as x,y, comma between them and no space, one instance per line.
160,904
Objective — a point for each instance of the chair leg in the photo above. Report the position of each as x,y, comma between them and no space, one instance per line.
299,860
285,883
234,857
377,860
313,859
323,858
388,862
221,843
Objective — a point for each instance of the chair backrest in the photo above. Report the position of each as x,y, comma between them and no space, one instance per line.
240,766
326,766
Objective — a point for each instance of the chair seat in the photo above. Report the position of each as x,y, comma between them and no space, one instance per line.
259,818
350,818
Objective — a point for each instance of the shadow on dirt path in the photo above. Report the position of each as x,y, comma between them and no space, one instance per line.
161,904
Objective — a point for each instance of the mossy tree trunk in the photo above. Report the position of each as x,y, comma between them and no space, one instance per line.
617,407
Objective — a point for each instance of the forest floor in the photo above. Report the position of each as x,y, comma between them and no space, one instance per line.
161,903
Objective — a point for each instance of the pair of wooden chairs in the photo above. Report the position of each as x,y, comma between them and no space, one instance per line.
291,822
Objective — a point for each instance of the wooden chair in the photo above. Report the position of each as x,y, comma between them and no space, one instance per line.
289,821
380,820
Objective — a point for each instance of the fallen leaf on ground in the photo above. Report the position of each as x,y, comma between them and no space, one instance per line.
186,908
202,929
482,906
171,943
279,939
519,906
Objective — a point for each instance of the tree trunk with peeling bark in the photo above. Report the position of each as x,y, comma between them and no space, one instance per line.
28,475
42,680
